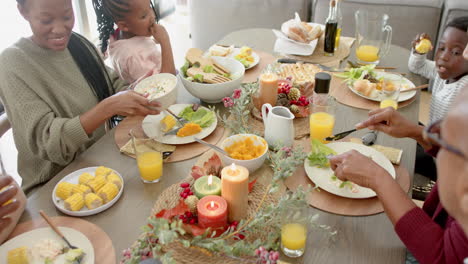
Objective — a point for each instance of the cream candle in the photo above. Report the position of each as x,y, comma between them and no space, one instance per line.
268,90
235,189
212,211
207,185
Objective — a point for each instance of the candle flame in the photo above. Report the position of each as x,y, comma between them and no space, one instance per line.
210,179
233,167
212,204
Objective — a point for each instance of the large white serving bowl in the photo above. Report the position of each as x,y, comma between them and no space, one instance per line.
169,96
214,93
253,164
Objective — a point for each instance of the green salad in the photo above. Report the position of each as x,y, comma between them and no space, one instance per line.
354,74
319,153
202,116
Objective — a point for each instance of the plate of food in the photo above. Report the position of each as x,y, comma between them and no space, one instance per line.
160,87
367,83
165,129
43,245
318,169
244,55
88,191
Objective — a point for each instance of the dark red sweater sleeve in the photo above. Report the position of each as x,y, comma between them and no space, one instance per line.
428,241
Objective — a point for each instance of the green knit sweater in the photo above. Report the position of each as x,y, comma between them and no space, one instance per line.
44,94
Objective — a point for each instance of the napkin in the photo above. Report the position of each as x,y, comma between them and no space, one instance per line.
286,45
392,154
145,145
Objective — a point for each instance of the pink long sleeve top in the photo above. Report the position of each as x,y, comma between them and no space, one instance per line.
135,57
431,234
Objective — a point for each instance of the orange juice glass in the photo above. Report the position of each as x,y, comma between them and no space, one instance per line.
391,92
321,125
150,165
294,229
367,53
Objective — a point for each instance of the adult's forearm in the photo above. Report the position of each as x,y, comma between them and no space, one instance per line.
395,201
416,133
167,63
94,118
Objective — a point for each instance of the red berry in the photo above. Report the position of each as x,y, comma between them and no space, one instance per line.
184,185
181,217
188,214
186,190
235,223
193,221
190,193
184,195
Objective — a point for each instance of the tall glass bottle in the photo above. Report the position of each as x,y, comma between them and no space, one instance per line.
331,27
339,18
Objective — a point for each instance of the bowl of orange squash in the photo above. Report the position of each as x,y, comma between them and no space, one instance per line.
247,150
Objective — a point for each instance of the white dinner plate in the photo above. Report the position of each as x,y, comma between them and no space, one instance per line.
152,127
322,177
29,239
236,51
403,95
73,178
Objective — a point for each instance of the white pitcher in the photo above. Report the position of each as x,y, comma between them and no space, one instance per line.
279,127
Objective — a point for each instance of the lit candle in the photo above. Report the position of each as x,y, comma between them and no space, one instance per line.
207,185
268,90
235,189
212,211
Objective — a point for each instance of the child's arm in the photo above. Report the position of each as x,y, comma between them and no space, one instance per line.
418,64
167,60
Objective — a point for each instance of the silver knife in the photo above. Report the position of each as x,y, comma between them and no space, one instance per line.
323,67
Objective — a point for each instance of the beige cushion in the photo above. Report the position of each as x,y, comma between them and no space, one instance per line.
211,20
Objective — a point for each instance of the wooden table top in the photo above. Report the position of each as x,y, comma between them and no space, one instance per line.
369,239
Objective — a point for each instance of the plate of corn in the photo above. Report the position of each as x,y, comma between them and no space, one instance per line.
88,191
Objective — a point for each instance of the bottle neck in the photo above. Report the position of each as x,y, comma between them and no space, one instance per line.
332,12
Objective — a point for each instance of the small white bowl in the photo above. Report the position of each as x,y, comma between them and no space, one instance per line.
214,93
253,164
169,96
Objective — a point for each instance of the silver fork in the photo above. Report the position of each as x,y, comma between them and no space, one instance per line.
180,120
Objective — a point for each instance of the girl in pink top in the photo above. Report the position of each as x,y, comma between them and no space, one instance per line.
139,47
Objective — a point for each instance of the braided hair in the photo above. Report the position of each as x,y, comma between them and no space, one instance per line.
90,64
108,12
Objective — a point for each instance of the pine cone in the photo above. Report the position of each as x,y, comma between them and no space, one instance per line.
294,94
283,102
281,96
294,109
192,202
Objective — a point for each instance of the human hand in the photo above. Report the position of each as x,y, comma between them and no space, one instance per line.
6,195
131,103
160,34
355,167
391,122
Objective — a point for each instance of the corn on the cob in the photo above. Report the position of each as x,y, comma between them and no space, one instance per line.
81,188
97,183
93,201
102,171
108,192
85,178
115,179
18,256
64,190
74,202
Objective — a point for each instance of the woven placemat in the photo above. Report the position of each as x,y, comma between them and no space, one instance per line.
319,57
252,74
169,198
328,202
182,152
344,95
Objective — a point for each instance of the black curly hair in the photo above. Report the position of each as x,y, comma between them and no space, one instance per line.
90,64
460,23
108,12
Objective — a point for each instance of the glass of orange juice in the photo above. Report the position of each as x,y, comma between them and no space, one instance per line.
322,118
390,92
294,229
150,165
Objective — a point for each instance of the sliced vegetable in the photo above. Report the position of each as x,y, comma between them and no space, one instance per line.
184,68
319,153
208,69
198,78
354,74
202,116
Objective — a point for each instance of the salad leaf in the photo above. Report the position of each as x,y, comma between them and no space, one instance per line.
355,74
346,183
202,116
184,68
318,156
244,62
198,78
208,69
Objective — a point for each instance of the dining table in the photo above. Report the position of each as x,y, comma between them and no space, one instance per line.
363,239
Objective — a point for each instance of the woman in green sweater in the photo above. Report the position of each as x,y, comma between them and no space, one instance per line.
57,92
